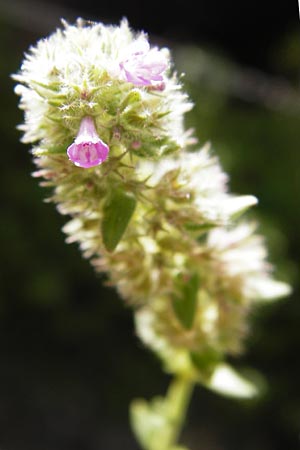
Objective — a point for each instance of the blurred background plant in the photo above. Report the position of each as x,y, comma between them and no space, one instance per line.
70,363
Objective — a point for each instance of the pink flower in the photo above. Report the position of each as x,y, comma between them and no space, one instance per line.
143,66
88,150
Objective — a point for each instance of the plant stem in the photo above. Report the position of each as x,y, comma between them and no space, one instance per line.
157,424
178,399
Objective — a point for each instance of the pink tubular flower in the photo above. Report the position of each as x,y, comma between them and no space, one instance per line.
143,66
88,150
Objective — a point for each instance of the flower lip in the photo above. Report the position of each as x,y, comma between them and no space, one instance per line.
88,150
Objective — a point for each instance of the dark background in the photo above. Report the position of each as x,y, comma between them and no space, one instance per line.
70,361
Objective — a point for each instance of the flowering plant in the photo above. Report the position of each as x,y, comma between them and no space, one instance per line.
105,114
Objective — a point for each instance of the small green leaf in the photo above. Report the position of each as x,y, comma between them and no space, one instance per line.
133,98
205,361
131,119
150,423
202,227
170,148
184,304
52,86
117,213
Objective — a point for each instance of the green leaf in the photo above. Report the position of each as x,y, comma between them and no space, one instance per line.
133,98
202,227
150,423
132,119
157,424
184,304
170,148
205,361
117,213
52,86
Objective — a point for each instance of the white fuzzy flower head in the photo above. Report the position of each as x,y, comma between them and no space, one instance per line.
105,114
113,76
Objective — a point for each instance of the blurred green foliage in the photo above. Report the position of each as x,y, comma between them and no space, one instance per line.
70,362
